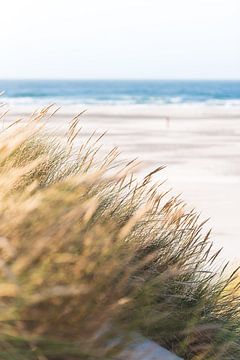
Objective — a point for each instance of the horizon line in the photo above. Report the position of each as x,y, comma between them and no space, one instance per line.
119,79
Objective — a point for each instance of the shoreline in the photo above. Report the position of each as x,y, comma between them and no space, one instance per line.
184,110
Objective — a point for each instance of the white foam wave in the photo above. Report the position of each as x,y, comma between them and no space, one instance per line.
123,100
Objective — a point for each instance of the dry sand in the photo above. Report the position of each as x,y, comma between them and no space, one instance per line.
199,144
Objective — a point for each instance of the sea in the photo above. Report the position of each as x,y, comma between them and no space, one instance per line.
26,92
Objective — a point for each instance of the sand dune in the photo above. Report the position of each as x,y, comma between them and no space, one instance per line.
199,144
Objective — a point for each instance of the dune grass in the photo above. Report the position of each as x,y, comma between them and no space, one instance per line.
87,252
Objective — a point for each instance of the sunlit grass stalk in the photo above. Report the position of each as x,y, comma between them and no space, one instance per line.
84,244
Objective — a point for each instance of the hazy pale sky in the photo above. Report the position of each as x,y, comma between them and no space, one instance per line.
120,39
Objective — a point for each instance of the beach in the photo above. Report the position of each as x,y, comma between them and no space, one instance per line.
198,144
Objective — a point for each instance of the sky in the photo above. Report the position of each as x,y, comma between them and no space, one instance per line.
120,39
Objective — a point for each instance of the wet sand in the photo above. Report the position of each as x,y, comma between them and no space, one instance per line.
199,144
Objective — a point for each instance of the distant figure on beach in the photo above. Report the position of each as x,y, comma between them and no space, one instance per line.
168,121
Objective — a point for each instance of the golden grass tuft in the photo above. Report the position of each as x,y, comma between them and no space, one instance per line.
82,250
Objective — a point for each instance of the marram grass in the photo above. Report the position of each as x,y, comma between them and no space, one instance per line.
88,252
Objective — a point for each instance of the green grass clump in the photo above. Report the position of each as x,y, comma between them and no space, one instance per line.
87,253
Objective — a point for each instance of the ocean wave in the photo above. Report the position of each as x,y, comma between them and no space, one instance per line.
123,100
108,92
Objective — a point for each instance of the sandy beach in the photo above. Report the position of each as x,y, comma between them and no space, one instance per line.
199,144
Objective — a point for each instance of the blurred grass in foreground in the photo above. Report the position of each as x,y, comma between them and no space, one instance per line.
86,254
